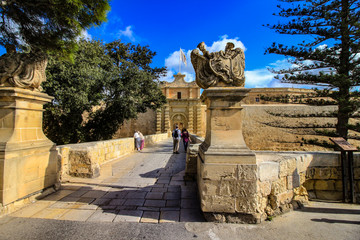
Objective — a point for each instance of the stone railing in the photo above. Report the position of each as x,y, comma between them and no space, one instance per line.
284,179
85,159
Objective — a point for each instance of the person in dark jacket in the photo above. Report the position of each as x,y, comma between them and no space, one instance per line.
186,138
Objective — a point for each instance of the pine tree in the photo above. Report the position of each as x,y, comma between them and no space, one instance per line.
330,59
48,25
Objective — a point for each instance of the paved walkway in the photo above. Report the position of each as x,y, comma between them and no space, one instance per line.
146,186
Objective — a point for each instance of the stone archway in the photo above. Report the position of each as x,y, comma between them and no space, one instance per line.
179,119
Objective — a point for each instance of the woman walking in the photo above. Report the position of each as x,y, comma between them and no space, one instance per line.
186,138
137,140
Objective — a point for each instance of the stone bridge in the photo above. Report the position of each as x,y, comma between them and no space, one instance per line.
146,186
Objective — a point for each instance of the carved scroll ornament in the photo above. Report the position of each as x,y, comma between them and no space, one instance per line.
219,69
22,70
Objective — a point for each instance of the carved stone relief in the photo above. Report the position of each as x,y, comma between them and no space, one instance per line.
219,69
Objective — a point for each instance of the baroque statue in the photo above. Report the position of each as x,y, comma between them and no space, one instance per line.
22,70
219,69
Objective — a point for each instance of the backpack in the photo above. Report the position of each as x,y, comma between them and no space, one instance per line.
176,134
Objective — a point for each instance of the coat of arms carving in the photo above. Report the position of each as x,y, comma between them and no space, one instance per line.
219,69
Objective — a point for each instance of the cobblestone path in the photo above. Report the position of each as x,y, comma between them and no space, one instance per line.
146,186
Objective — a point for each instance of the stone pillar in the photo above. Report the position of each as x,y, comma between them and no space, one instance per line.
158,120
227,170
191,119
28,159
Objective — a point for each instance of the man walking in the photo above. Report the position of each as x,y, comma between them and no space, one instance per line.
176,134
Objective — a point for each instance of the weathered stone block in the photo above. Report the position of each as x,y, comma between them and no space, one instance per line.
219,171
218,204
309,184
279,186
208,187
268,171
246,204
293,181
324,185
303,162
338,185
228,188
322,173
264,188
323,159
285,197
247,172
287,167
329,195
246,189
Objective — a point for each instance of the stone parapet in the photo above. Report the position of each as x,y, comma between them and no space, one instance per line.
283,181
85,159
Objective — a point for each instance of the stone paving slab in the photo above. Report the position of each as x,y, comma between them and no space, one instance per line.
146,187
77,215
128,216
169,216
103,216
150,217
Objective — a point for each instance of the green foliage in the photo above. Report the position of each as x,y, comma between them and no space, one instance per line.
330,59
101,89
48,25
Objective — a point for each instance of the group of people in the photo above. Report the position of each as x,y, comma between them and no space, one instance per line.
139,140
177,136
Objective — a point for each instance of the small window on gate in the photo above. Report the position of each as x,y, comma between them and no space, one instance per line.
257,99
179,95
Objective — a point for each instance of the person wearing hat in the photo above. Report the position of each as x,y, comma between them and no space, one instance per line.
176,134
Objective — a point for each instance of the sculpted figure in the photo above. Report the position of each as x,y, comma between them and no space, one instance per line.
22,70
219,69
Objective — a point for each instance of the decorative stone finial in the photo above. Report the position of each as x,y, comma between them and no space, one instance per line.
22,70
219,69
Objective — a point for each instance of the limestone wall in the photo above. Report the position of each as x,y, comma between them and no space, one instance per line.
85,159
284,176
261,131
145,123
284,179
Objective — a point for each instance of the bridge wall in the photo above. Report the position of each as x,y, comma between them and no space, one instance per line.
284,179
85,159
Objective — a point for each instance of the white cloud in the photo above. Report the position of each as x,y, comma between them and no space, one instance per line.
258,78
220,45
127,33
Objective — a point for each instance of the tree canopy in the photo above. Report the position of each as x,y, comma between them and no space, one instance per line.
105,85
329,57
48,25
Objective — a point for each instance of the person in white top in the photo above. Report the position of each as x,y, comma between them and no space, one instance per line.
137,140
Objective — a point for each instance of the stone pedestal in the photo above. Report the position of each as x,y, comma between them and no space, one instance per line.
227,170
28,159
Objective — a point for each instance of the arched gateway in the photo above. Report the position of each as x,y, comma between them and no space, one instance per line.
183,107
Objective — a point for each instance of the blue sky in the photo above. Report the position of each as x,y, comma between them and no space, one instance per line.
165,26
